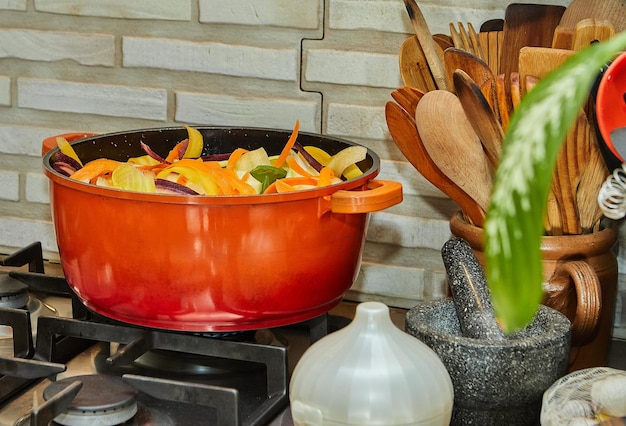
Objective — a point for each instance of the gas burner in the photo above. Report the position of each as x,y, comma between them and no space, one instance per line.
102,400
13,294
189,364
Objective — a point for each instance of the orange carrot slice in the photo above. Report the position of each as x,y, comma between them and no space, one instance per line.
287,149
92,170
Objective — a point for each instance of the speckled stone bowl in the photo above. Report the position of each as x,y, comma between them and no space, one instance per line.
496,382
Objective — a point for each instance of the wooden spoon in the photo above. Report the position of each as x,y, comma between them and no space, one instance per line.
480,115
404,133
453,145
476,68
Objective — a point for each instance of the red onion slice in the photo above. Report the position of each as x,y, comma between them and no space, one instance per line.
151,153
177,188
216,157
308,157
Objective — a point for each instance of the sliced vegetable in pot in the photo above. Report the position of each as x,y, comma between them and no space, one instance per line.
241,172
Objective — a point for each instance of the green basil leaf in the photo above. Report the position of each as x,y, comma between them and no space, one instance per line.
514,224
267,175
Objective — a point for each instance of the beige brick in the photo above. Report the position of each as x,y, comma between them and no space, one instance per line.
391,15
221,110
18,232
353,68
9,185
13,4
86,49
373,15
179,10
82,98
390,281
5,90
304,14
408,231
214,58
357,121
25,140
37,188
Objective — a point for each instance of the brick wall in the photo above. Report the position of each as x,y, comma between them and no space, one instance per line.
109,65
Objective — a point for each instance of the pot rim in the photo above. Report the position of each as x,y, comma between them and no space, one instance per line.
358,182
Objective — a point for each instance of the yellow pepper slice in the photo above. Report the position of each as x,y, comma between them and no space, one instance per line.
130,178
196,143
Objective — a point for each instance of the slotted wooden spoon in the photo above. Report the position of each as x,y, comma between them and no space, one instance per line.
413,66
427,43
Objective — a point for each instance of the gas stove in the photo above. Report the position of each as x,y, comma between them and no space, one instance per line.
62,364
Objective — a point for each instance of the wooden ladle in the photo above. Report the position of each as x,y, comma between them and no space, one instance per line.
453,145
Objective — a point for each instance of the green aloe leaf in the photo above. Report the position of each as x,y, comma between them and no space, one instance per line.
514,224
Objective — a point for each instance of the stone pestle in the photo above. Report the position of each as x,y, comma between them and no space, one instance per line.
469,291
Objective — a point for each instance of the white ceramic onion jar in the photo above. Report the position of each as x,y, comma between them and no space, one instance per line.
370,373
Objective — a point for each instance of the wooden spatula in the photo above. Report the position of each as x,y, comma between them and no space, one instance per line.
563,37
613,11
527,25
539,61
591,30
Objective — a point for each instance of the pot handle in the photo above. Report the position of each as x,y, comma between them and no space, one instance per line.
377,195
588,297
51,142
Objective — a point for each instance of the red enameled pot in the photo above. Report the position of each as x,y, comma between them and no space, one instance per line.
219,263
